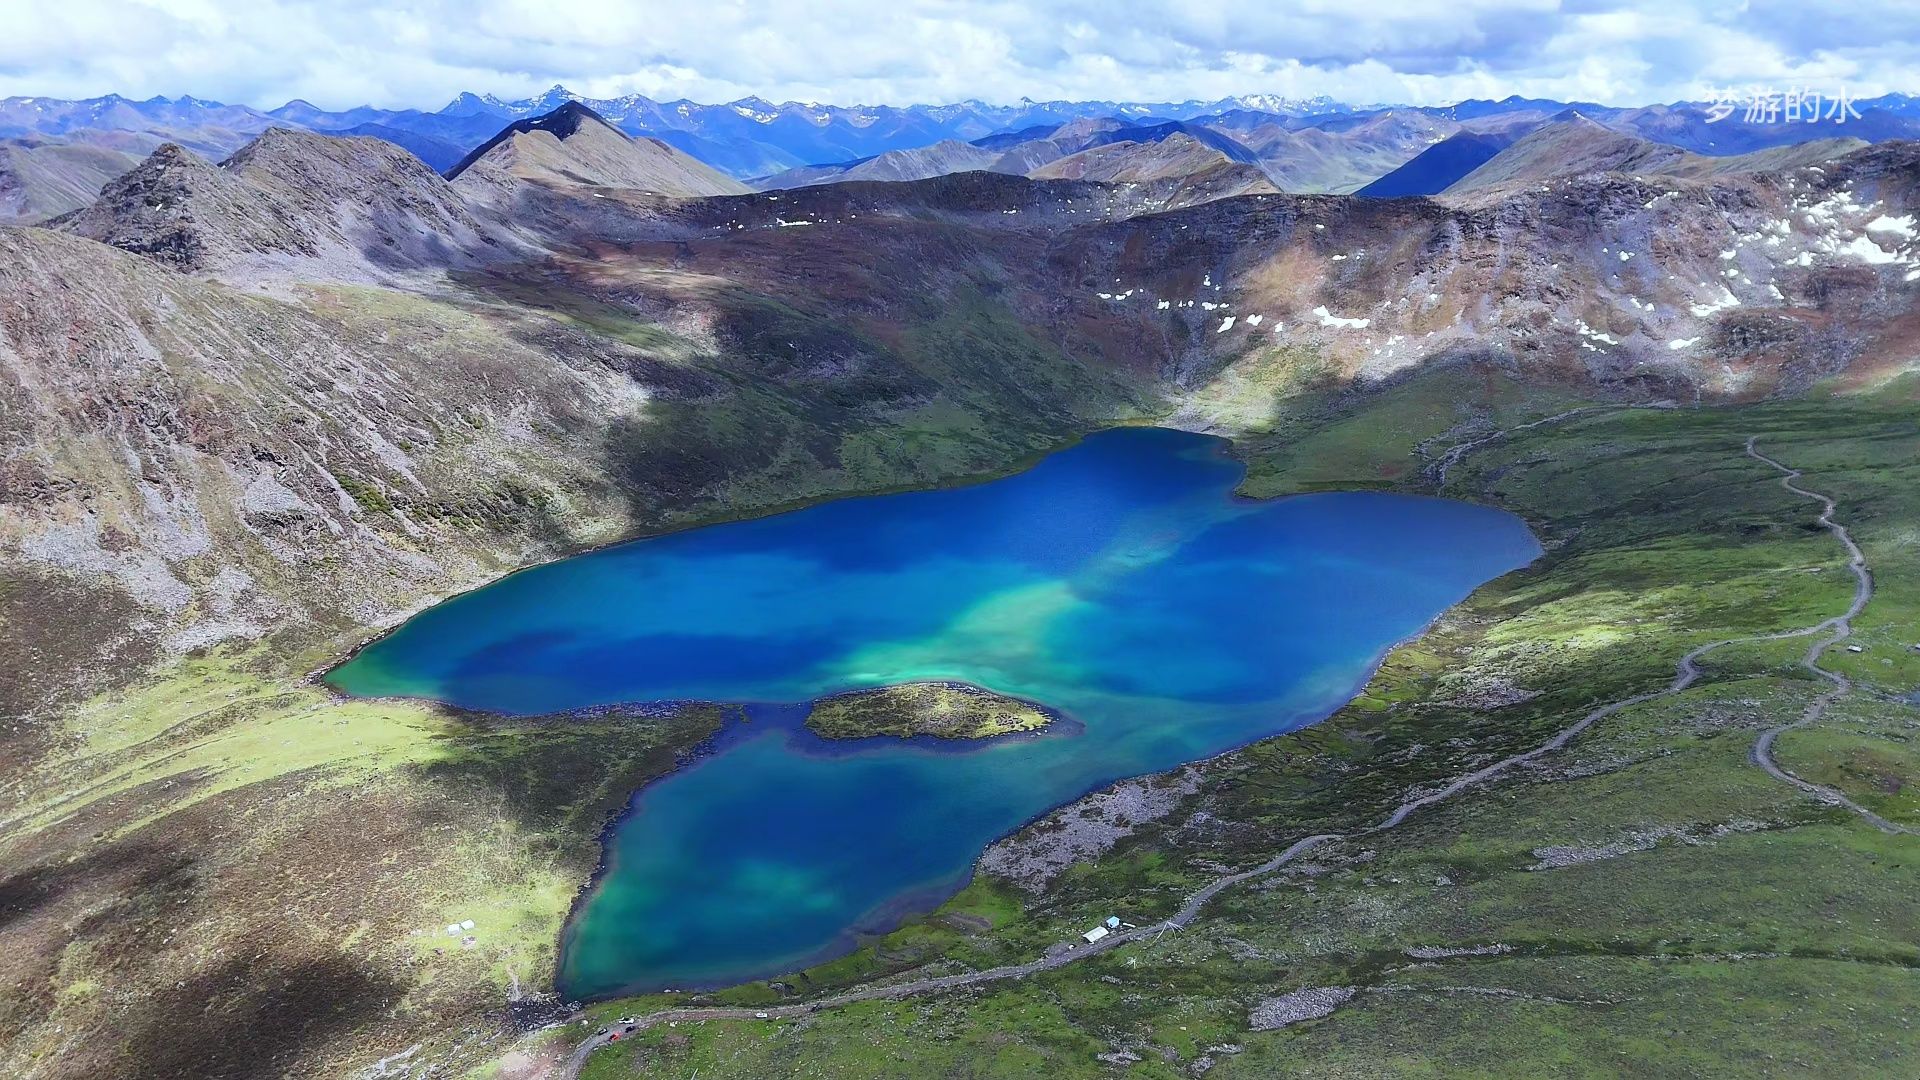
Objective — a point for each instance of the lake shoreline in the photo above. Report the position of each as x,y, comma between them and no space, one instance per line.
1119,524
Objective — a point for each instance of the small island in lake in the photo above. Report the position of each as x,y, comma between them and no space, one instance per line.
946,710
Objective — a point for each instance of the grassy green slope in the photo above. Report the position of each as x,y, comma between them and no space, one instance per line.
1645,902
287,861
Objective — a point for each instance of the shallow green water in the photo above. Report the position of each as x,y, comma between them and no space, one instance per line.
1118,581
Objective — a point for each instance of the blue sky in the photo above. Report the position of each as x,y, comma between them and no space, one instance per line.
351,52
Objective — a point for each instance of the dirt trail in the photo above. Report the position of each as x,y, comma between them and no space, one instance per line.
1838,629
1445,463
1686,673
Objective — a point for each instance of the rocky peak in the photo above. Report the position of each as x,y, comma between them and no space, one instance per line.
575,145
178,210
339,165
562,123
566,120
365,204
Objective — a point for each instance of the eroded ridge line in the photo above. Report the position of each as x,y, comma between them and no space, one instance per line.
1686,673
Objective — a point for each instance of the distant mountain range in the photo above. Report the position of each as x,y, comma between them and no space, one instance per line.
1023,153
54,153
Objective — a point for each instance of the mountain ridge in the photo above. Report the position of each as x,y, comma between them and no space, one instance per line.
228,461
575,144
1571,144
1304,145
364,204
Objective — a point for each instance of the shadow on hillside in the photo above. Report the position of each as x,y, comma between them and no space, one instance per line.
251,1016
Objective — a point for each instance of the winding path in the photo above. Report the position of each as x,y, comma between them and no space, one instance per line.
1686,673
1445,463
1838,629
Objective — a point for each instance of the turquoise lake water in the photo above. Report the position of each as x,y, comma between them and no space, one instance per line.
1119,582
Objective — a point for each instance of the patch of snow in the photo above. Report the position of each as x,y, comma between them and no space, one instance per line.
1682,343
1726,300
1901,226
1254,320
1226,324
1868,252
1328,319
1580,325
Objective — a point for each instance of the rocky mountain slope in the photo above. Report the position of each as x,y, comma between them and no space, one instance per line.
1441,165
574,145
1721,287
316,205
439,154
1574,144
41,178
1337,155
920,163
1025,152
1180,169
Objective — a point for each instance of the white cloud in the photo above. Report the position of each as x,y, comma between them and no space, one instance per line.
897,51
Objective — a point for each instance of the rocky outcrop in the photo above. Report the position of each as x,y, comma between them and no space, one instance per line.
1032,857
179,211
1298,1006
340,207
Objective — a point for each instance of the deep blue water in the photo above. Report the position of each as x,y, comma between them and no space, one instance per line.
1118,581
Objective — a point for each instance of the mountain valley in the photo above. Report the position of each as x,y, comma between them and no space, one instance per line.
260,411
